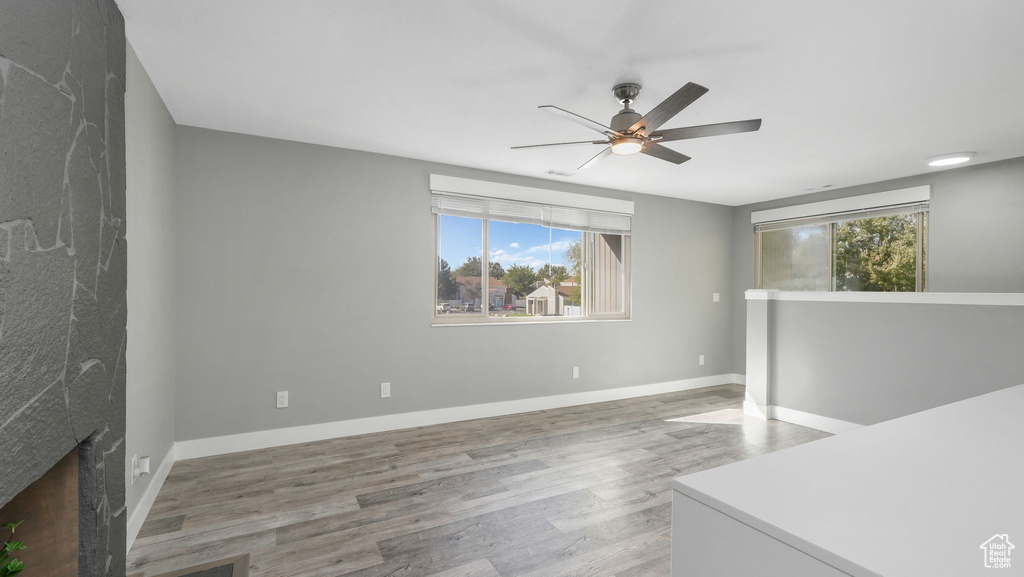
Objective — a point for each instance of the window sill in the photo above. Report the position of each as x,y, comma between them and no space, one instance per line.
504,322
927,298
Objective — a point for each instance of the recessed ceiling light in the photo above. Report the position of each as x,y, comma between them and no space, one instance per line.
950,159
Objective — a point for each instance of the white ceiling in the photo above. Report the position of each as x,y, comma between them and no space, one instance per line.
850,91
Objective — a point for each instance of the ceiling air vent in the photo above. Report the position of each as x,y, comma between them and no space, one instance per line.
560,173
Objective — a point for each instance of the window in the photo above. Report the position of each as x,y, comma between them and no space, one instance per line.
505,260
460,266
795,258
884,253
535,270
877,249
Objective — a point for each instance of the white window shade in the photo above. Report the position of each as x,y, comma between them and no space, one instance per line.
555,208
488,208
588,220
573,218
850,204
843,216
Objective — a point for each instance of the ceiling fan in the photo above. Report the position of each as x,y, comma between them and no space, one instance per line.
630,133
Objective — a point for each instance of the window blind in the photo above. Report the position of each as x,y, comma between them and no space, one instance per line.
843,216
573,218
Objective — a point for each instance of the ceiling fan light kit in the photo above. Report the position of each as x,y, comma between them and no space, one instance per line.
630,133
627,145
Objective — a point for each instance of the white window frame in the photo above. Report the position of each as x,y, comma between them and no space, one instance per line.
914,200
460,186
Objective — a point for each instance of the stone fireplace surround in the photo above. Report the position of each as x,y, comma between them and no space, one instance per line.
63,260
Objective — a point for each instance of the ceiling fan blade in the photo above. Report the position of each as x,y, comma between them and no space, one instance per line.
596,126
669,108
664,153
600,156
561,144
707,130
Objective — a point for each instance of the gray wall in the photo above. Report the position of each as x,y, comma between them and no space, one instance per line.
63,258
309,269
151,275
975,233
868,362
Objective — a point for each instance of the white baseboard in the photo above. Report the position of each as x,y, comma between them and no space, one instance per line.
138,516
304,434
827,424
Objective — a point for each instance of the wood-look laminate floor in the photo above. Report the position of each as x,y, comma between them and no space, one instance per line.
566,492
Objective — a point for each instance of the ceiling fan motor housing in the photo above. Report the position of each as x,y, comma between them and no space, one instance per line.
623,120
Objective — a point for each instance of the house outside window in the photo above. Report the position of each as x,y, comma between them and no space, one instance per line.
503,255
875,242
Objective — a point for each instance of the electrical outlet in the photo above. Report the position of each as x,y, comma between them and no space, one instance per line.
575,372
715,297
282,399
385,390
134,469
700,359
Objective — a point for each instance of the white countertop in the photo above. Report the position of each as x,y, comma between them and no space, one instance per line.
916,495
